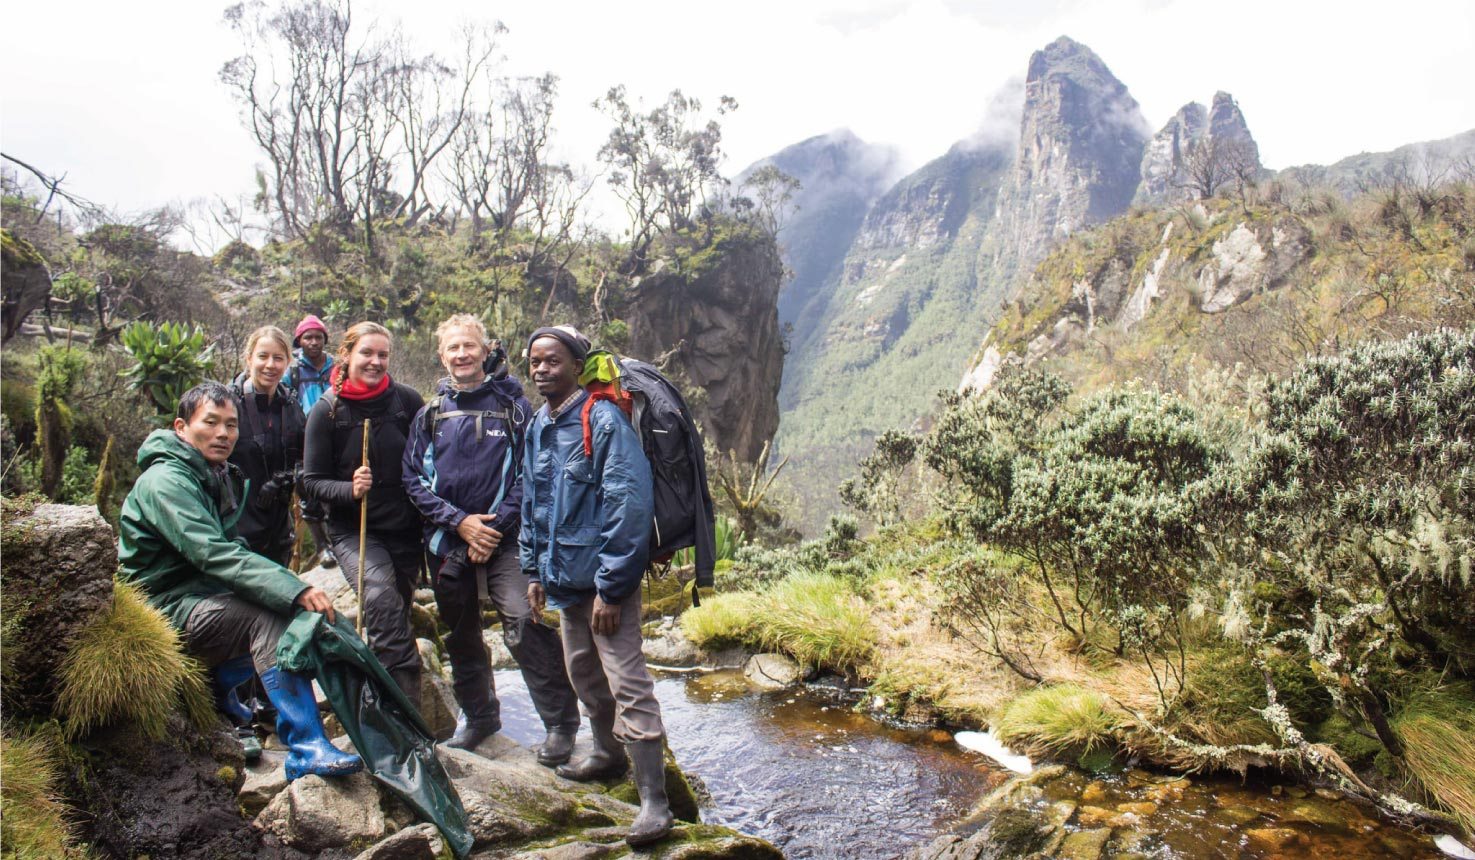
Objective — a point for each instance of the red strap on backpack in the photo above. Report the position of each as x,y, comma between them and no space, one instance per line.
612,392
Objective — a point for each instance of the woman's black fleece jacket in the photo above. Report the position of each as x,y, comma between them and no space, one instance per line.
332,452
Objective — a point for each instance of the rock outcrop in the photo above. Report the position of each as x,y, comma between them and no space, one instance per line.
1199,149
59,563
1080,151
715,321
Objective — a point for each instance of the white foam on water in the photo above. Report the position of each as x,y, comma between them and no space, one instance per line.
1453,847
987,744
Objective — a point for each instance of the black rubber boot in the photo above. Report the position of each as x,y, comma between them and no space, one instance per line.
556,748
655,819
605,761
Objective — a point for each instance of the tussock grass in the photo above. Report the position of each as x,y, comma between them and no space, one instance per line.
129,666
1437,728
722,619
818,620
1064,719
33,823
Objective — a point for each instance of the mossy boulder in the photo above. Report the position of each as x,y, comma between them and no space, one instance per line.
59,565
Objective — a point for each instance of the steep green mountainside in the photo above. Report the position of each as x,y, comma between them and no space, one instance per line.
840,176
1414,162
937,254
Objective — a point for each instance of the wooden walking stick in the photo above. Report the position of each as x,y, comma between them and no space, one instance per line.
363,536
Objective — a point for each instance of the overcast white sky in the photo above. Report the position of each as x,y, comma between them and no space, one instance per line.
125,98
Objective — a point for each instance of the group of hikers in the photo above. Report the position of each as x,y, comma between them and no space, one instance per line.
526,510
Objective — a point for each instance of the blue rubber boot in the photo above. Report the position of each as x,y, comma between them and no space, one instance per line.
301,729
228,676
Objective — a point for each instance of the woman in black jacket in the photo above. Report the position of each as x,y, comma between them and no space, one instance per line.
269,451
334,474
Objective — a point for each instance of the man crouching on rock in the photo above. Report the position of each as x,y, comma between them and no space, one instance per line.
584,544
230,604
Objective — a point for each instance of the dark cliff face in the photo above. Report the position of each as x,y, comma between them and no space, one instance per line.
718,322
1080,149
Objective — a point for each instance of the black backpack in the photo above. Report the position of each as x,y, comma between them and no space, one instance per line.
684,514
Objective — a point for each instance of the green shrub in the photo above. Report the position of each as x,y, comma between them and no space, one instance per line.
1061,720
128,665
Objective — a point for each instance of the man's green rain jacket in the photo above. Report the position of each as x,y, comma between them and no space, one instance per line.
174,541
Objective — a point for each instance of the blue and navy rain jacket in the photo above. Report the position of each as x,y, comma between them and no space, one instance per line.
469,466
586,521
306,381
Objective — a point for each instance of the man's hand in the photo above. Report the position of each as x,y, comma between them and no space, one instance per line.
314,599
363,479
537,600
606,618
481,539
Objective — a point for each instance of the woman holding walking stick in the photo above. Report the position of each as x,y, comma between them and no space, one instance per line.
365,496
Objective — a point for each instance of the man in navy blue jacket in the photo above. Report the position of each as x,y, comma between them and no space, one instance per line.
585,542
462,469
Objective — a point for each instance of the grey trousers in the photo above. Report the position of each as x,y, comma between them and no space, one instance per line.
389,587
537,649
609,673
224,626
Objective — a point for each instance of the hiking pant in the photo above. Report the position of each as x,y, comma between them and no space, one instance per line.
223,626
608,672
390,575
537,648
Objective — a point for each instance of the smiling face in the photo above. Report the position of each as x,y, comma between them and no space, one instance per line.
462,352
266,361
212,430
555,373
369,361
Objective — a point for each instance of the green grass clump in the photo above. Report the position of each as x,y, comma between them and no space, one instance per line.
33,823
128,665
1437,728
1060,720
818,620
722,619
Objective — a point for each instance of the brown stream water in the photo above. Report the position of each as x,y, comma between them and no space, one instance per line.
804,770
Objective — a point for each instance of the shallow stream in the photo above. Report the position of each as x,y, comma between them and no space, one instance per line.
802,769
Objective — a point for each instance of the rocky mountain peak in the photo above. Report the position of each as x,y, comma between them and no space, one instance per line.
1080,149
1165,164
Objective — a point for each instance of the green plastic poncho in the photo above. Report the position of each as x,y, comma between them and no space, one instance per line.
384,726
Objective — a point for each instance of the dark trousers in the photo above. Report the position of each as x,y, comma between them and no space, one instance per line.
390,575
537,648
222,627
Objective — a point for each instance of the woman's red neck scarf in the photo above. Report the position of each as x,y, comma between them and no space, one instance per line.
354,390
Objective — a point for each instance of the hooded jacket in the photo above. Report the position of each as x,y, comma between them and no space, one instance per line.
585,520
468,463
174,539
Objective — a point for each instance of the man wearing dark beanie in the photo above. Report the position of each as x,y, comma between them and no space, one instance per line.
585,543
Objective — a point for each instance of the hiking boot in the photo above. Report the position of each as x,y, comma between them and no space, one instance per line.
556,748
301,729
655,819
606,760
469,734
